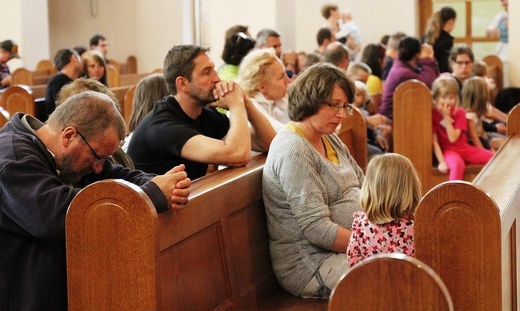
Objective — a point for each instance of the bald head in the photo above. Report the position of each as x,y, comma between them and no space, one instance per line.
337,54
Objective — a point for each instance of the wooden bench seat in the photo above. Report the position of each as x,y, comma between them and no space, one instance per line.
212,255
413,133
468,232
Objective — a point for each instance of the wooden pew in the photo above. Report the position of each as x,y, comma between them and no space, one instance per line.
17,99
38,91
390,282
211,255
120,93
413,133
353,133
47,66
114,78
128,105
24,76
130,66
468,232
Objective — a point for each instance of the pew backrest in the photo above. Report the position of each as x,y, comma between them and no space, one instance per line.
128,106
17,99
390,282
24,76
47,66
112,76
131,64
513,121
212,255
468,232
353,133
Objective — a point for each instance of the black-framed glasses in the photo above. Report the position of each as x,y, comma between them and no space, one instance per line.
99,159
337,107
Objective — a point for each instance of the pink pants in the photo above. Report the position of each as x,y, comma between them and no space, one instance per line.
456,159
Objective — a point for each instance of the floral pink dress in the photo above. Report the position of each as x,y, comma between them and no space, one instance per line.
368,239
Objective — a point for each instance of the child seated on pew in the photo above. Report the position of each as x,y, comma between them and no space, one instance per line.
475,100
494,119
450,140
389,196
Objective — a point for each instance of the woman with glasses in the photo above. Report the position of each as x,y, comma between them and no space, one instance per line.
311,185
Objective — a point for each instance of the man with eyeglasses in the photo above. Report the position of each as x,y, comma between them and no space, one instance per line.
461,62
43,167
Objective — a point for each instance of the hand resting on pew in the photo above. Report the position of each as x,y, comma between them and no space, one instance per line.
176,183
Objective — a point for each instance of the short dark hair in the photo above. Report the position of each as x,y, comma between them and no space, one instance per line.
236,48
409,47
461,49
323,33
62,58
314,87
80,49
235,29
95,39
179,63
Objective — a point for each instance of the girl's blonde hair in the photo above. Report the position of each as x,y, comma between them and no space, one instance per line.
475,95
391,190
253,69
444,85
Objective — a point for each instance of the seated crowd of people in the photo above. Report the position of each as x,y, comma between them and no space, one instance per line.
320,205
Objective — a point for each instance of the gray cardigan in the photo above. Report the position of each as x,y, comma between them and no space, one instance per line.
306,197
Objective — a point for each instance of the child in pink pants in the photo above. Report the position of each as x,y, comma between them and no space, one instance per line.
450,141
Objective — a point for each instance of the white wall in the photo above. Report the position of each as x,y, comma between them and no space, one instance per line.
26,23
72,23
158,28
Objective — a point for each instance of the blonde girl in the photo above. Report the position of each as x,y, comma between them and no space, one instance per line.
389,197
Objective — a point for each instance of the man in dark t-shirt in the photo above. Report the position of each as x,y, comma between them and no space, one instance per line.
69,66
185,126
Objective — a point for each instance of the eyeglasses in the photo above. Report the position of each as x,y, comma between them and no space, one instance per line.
461,63
336,108
99,159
